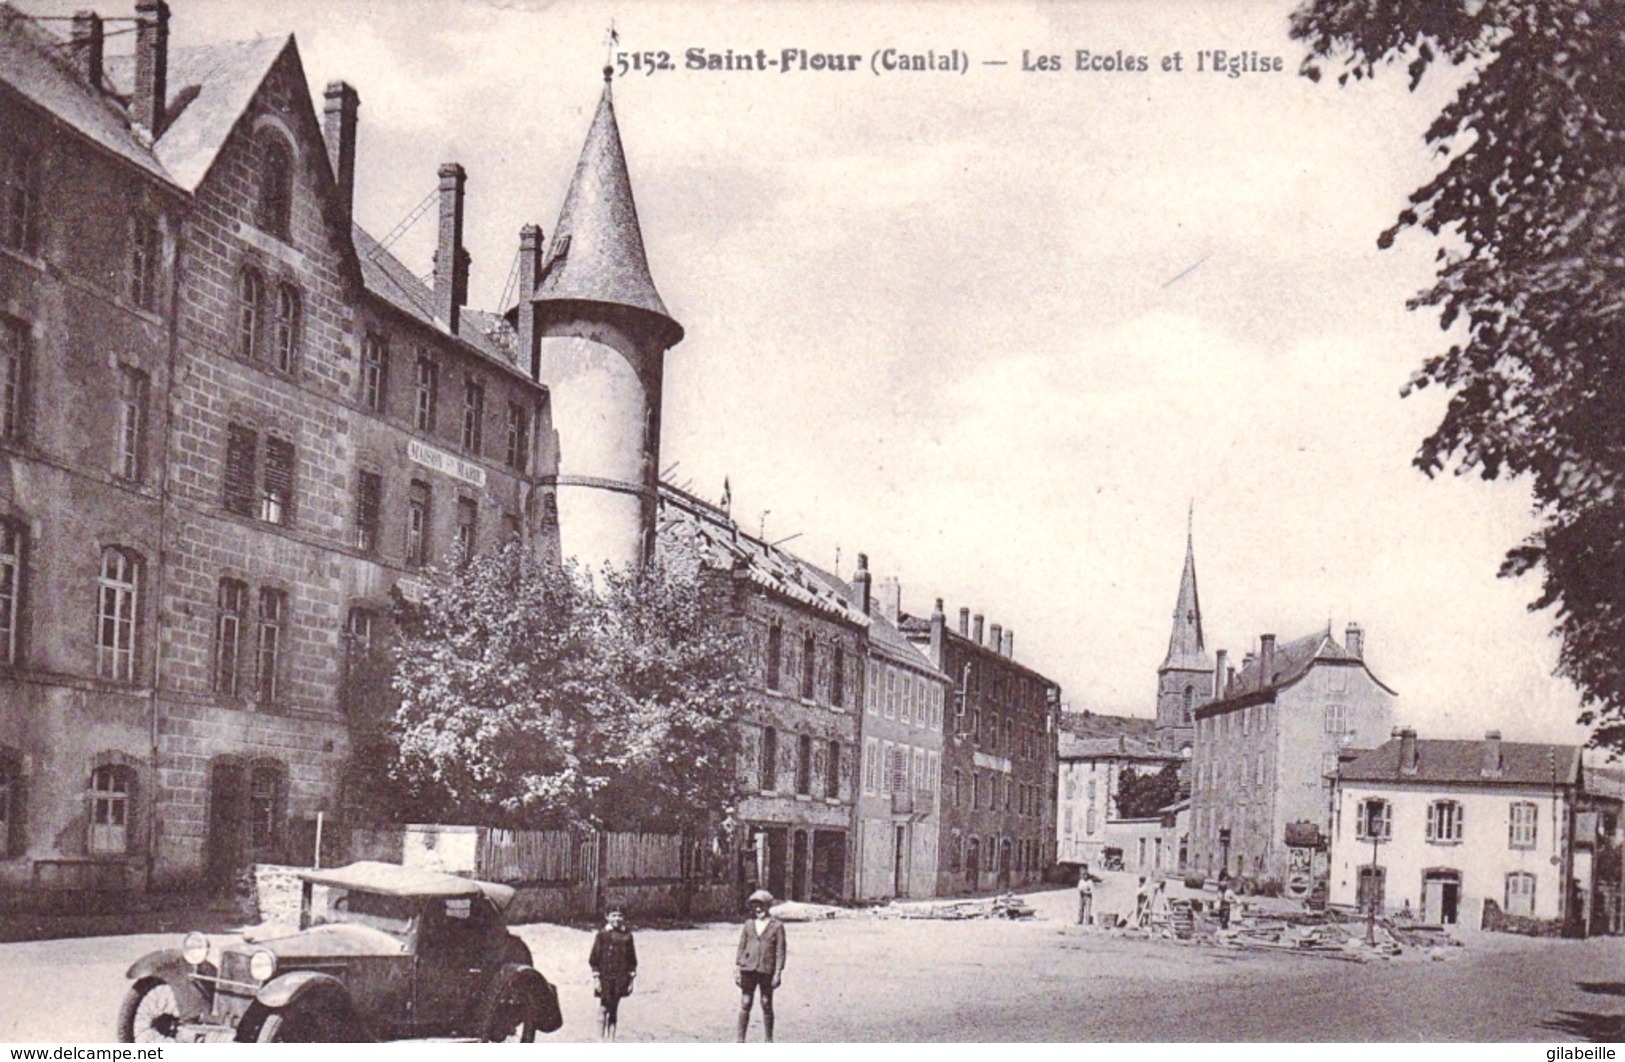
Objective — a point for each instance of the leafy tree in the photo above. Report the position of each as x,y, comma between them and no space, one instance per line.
1140,796
1529,204
530,697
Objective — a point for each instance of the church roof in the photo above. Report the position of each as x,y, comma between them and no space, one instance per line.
597,252
1186,651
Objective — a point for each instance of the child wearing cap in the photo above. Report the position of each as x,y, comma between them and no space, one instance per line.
759,965
614,962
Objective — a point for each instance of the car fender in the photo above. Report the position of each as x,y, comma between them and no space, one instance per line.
281,991
550,1019
168,966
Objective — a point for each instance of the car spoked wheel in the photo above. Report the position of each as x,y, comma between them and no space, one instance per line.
310,1027
150,1014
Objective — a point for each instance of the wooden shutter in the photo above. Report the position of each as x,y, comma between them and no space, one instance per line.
279,476
241,444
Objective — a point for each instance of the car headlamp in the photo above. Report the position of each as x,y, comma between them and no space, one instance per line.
195,948
261,965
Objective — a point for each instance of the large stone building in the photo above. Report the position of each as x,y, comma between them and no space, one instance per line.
1267,750
798,763
1092,754
998,756
232,423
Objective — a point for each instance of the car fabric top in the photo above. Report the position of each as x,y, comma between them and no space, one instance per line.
392,879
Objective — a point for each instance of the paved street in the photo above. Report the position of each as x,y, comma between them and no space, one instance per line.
872,979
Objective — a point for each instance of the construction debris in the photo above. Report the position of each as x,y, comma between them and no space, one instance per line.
1008,906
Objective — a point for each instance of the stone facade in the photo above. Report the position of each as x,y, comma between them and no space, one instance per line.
194,315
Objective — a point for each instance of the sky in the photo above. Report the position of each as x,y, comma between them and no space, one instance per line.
1003,329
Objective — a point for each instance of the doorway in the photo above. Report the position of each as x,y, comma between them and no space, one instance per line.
900,861
1441,897
798,866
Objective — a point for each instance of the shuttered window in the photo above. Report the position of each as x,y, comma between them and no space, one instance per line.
276,494
273,618
241,446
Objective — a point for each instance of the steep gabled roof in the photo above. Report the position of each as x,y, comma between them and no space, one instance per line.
1122,747
1445,762
389,279
597,253
1292,661
1088,725
723,546
887,639
36,64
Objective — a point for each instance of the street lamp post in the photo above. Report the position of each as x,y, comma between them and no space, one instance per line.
1371,894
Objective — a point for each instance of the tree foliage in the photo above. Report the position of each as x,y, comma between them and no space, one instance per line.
1140,796
1529,203
528,696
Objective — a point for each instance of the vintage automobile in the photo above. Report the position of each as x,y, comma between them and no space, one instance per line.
382,952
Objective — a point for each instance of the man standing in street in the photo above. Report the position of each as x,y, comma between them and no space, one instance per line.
759,965
1086,895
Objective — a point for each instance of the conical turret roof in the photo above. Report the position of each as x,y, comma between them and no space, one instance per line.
597,251
1185,647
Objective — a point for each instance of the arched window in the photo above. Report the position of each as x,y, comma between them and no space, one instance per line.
775,646
1189,699
116,612
285,340
809,660
250,304
112,797
11,804
275,208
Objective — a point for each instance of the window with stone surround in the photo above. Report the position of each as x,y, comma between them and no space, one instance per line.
425,394
273,622
19,197
276,491
274,209
117,610
1444,822
775,649
285,328
473,415
231,614
832,775
12,838
131,425
374,370
804,750
1337,719
369,503
417,524
1523,815
112,797
770,759
518,450
467,517
1375,820
146,247
11,565
250,311
14,350
837,681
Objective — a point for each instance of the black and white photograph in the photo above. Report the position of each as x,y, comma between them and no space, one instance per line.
515,517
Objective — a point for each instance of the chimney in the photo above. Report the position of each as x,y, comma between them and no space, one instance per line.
338,128
1266,660
530,266
861,595
1492,754
964,623
1229,681
87,46
976,628
995,638
1354,641
891,600
450,260
939,623
1407,751
1220,669
1009,644
151,92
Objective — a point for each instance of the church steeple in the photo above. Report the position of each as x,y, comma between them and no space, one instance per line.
1185,646
1185,679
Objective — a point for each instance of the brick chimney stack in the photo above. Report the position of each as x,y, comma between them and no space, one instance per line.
891,600
1009,644
861,585
1492,754
1266,660
530,267
87,46
939,624
450,259
964,623
338,129
1407,751
151,93
995,638
1354,641
976,628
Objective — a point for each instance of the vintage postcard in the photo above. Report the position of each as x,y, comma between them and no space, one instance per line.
808,521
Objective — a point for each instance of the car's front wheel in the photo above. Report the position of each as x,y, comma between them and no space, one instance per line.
149,1014
298,1027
